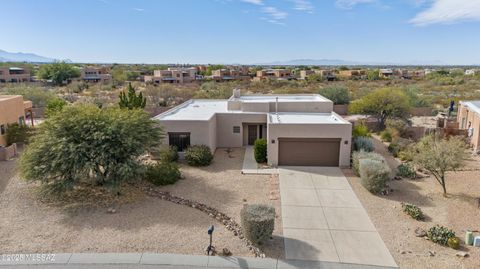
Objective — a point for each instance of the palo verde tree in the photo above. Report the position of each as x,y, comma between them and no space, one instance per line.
438,156
382,103
86,144
131,100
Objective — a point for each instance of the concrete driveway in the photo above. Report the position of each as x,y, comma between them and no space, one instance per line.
323,220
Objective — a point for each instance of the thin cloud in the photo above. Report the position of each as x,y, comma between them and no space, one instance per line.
303,5
448,11
275,13
138,9
349,4
255,2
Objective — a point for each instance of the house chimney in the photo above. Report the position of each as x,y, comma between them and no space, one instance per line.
276,105
236,93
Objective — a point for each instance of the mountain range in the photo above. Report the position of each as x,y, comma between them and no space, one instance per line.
6,56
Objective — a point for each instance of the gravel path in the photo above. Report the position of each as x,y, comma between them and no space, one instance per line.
145,225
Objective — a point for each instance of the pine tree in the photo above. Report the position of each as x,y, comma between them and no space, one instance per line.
131,100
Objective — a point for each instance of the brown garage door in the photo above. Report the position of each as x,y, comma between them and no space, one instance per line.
308,151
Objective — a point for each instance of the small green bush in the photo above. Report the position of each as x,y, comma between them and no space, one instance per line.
454,242
17,133
338,95
258,222
260,150
440,235
398,125
406,170
358,155
413,211
374,175
169,154
363,143
198,155
386,135
162,173
360,130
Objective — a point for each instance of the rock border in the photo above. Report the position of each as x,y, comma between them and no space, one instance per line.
223,218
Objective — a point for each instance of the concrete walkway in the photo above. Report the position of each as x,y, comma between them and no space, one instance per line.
250,166
323,220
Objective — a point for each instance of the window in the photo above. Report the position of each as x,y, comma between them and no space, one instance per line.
180,140
236,129
2,129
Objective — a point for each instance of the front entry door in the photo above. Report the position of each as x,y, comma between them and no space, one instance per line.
252,134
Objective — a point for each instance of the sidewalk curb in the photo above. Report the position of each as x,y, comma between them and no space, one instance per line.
176,260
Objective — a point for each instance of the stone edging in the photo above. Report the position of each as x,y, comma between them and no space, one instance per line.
228,222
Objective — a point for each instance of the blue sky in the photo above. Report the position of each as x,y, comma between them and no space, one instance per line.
244,31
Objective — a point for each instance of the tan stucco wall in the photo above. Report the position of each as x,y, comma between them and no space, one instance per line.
464,116
343,131
201,132
225,123
11,108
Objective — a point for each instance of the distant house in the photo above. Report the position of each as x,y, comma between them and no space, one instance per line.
324,73
13,109
468,118
173,76
14,75
96,75
470,72
355,73
278,74
230,73
301,130
385,73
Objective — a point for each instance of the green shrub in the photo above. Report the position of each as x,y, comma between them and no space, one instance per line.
338,95
454,242
17,133
169,154
440,235
258,222
260,150
358,155
406,170
413,211
398,125
363,143
386,135
162,173
374,175
198,155
360,130
53,106
394,148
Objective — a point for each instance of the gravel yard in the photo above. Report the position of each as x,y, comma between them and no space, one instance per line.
144,224
459,212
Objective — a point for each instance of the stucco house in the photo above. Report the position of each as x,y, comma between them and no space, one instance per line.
13,109
301,130
468,118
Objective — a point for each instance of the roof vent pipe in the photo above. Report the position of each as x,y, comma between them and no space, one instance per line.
236,93
276,105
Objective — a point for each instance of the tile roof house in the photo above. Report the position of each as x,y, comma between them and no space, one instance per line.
300,130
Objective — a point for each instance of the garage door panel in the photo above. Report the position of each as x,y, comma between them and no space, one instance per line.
309,151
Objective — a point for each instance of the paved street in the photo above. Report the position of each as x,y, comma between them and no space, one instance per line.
323,220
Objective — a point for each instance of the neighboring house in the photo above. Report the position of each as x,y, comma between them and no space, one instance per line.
357,73
173,75
300,129
469,72
14,75
13,109
468,118
385,73
325,74
229,74
96,75
280,74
